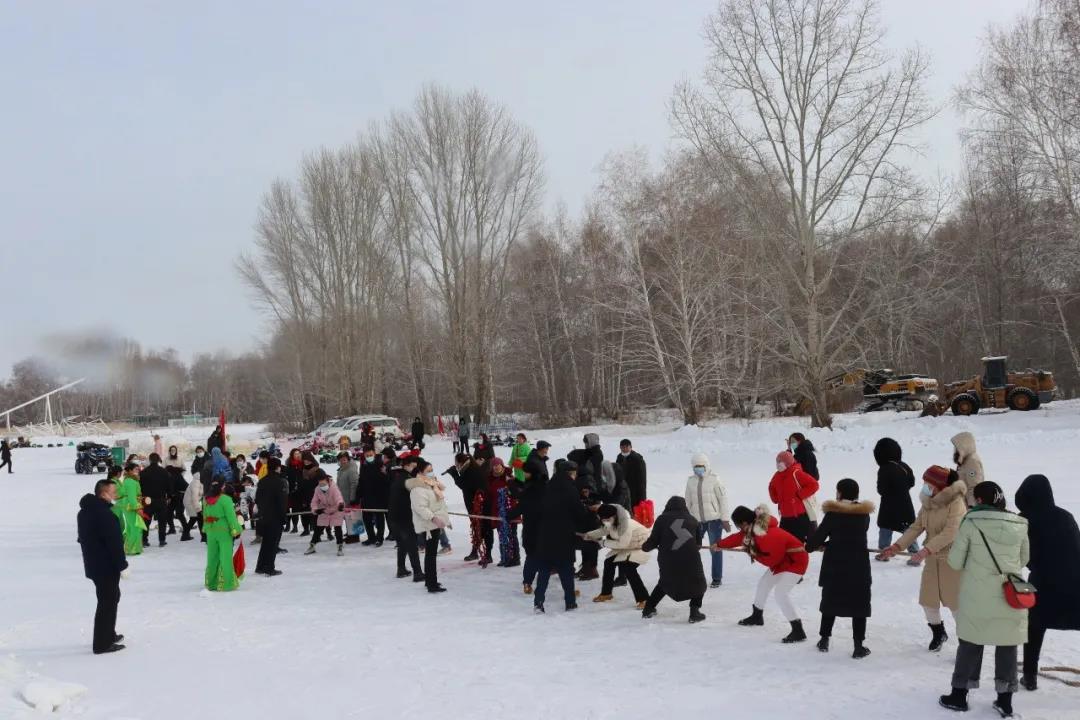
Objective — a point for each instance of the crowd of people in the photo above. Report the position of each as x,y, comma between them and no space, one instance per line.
583,503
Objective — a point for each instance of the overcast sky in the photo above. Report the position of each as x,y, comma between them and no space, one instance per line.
137,137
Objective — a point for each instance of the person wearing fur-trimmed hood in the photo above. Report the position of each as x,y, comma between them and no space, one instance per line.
785,560
845,567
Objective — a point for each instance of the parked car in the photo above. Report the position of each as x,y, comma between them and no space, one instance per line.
353,427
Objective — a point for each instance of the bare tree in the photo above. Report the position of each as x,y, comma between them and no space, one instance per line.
803,91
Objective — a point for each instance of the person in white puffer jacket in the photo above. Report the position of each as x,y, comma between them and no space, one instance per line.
706,499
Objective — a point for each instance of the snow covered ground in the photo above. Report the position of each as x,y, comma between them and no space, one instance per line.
340,637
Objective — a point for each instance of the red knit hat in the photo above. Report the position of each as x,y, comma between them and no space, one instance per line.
786,458
936,476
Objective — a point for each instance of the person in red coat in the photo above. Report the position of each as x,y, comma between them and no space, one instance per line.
789,488
784,557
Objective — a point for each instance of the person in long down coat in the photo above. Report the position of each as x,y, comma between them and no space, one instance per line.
943,507
845,568
371,488
805,454
417,432
682,577
991,543
1055,569
969,465
294,469
894,483
563,517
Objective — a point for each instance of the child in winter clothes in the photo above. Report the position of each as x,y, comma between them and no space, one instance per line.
783,556
845,568
623,537
329,509
706,499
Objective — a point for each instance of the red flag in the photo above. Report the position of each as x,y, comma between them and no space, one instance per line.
238,562
441,431
221,423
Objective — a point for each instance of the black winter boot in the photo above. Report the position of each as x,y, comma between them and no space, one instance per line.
648,612
796,635
1003,705
861,651
956,700
757,617
823,644
696,615
939,637
1029,681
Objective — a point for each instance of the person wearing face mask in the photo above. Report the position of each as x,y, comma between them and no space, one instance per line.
430,518
845,568
943,507
803,450
623,537
706,499
969,465
329,508
791,489
197,462
785,560
222,529
371,479
401,516
241,468
102,545
633,468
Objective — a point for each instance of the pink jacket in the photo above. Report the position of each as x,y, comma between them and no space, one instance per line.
328,502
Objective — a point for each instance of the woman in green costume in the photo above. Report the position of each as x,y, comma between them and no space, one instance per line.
221,527
126,508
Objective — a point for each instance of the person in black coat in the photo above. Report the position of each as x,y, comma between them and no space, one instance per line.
400,517
5,456
417,432
216,440
178,485
845,569
197,462
370,486
894,482
530,501
102,544
563,517
633,468
272,499
682,577
591,495
803,450
1055,568
157,486
484,448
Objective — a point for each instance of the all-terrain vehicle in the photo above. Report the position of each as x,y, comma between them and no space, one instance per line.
92,457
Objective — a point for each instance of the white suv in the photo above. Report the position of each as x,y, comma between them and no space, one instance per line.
353,428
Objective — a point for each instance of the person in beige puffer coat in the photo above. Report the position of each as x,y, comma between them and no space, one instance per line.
623,537
968,464
943,508
430,517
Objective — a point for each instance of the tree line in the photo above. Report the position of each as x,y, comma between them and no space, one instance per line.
782,240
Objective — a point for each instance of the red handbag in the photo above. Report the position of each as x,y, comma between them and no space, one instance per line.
1019,593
